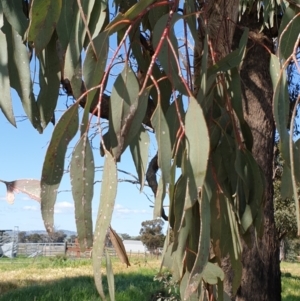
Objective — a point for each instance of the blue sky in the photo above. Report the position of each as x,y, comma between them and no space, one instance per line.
22,153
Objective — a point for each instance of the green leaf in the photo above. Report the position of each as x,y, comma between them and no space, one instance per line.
107,201
212,273
82,179
166,56
198,144
139,149
127,111
49,80
160,125
72,67
5,99
110,277
44,15
233,59
191,18
280,105
159,198
121,20
288,31
65,22
13,12
98,18
203,245
94,63
20,74
247,218
93,70
53,166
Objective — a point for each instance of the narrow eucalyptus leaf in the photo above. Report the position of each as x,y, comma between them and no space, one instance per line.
107,201
110,277
20,74
53,167
82,180
5,99
203,246
13,11
118,246
139,149
168,55
198,144
288,31
44,15
49,79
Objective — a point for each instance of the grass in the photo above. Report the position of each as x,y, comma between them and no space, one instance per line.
60,279
290,281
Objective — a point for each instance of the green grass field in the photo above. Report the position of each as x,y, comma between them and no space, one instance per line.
57,279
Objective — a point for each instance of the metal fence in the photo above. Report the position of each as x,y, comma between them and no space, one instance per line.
41,249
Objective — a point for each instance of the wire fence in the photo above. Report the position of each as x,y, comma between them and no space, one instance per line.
71,250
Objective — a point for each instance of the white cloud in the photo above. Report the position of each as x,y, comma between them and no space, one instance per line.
30,208
121,210
63,207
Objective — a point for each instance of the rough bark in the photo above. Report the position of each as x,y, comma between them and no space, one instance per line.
261,270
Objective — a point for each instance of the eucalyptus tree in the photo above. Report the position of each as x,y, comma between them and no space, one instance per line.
206,80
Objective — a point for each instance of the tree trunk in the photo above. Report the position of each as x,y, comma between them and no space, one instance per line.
261,270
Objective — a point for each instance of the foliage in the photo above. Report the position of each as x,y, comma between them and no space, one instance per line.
193,112
284,208
152,235
171,287
57,236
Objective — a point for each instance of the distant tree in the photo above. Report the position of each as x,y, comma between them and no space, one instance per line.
58,236
151,234
22,236
34,238
125,236
72,238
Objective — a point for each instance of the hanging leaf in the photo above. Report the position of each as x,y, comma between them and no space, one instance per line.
72,67
198,144
203,245
65,22
44,15
127,110
20,74
288,31
27,186
5,100
110,277
93,70
98,19
233,59
212,273
82,179
121,20
162,135
107,201
166,56
139,149
53,166
13,12
118,246
49,80
280,105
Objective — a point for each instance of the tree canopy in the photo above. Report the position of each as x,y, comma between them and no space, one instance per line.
152,235
201,81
